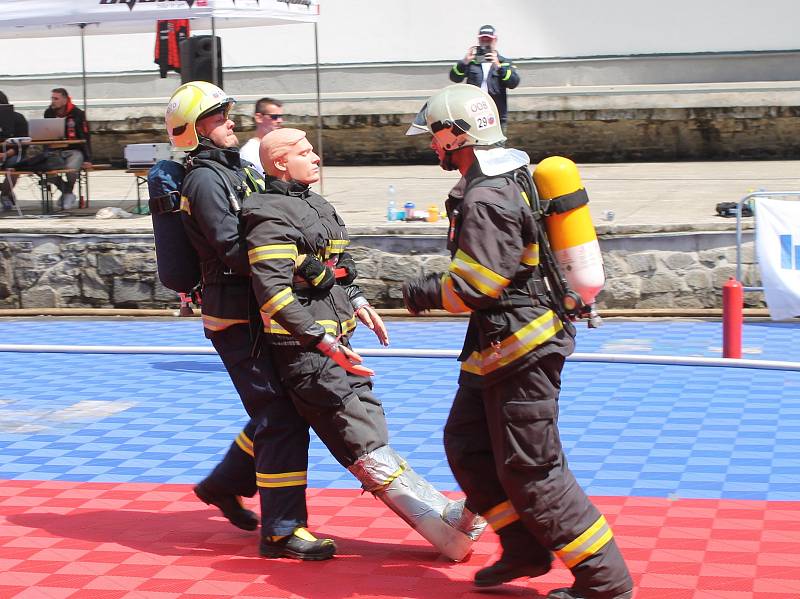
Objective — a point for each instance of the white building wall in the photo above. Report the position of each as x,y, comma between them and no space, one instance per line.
365,31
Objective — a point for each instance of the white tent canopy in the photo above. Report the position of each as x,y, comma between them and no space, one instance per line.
46,18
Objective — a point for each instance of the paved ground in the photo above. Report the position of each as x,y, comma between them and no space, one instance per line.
642,196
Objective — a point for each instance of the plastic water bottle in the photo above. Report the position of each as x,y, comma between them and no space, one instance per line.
391,210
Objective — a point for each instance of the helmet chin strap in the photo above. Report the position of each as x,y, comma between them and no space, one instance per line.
447,162
207,143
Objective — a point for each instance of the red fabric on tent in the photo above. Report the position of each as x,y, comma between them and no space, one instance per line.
169,35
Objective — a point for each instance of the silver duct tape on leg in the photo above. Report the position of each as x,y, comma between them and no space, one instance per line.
389,477
459,517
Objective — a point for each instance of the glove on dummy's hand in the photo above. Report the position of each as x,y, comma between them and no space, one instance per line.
423,293
347,263
343,356
318,275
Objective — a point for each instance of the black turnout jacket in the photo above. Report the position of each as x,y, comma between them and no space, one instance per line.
282,226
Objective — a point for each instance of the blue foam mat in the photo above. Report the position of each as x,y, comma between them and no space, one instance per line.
628,429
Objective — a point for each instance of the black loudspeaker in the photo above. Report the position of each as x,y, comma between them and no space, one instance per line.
196,53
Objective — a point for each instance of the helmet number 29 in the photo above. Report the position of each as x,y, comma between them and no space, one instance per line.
480,111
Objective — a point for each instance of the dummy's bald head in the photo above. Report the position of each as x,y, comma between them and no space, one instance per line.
275,146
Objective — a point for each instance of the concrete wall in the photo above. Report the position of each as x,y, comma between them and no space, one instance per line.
682,270
574,107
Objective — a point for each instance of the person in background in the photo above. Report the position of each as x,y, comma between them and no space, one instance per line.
9,155
75,127
268,117
484,67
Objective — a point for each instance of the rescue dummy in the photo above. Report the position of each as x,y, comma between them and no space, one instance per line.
501,436
307,323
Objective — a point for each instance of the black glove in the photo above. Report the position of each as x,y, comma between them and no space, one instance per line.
423,293
318,275
347,263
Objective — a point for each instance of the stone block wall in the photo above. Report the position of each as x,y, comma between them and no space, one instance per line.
607,135
674,270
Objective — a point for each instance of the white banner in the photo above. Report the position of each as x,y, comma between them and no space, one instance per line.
778,251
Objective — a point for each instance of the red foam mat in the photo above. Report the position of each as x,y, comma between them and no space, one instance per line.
98,540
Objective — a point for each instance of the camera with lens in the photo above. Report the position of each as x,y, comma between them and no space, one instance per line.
483,52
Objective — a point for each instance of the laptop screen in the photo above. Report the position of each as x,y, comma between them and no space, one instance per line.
44,129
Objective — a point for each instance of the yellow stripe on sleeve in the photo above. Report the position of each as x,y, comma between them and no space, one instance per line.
286,251
278,301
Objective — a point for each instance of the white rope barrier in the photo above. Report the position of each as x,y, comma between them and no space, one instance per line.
415,353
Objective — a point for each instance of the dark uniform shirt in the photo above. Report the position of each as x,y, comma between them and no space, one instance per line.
282,226
499,80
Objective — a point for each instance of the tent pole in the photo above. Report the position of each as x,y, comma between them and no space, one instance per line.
319,114
213,53
83,62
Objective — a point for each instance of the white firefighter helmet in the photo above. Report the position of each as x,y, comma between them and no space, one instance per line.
190,102
458,116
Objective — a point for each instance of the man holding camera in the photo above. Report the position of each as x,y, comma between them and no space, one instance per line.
484,67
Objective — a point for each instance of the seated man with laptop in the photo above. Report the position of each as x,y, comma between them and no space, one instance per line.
75,126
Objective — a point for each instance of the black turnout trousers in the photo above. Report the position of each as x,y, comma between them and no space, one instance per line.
275,440
502,443
340,407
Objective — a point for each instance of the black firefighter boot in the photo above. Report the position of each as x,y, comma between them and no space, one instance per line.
571,593
230,506
522,556
301,545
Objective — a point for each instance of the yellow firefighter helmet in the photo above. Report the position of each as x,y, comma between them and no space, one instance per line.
190,102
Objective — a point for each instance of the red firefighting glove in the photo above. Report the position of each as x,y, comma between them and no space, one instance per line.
343,356
318,275
348,265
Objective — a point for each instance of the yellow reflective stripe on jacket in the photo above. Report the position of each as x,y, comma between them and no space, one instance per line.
281,479
185,207
525,340
214,323
456,71
501,515
507,76
256,182
318,279
486,281
586,545
335,246
272,252
278,301
245,443
530,255
450,299
331,327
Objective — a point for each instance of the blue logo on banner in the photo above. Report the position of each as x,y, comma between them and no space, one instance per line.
790,254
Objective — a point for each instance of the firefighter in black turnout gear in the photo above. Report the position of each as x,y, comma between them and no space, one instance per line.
307,322
271,453
501,437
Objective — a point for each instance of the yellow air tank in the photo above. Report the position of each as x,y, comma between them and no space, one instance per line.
569,226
